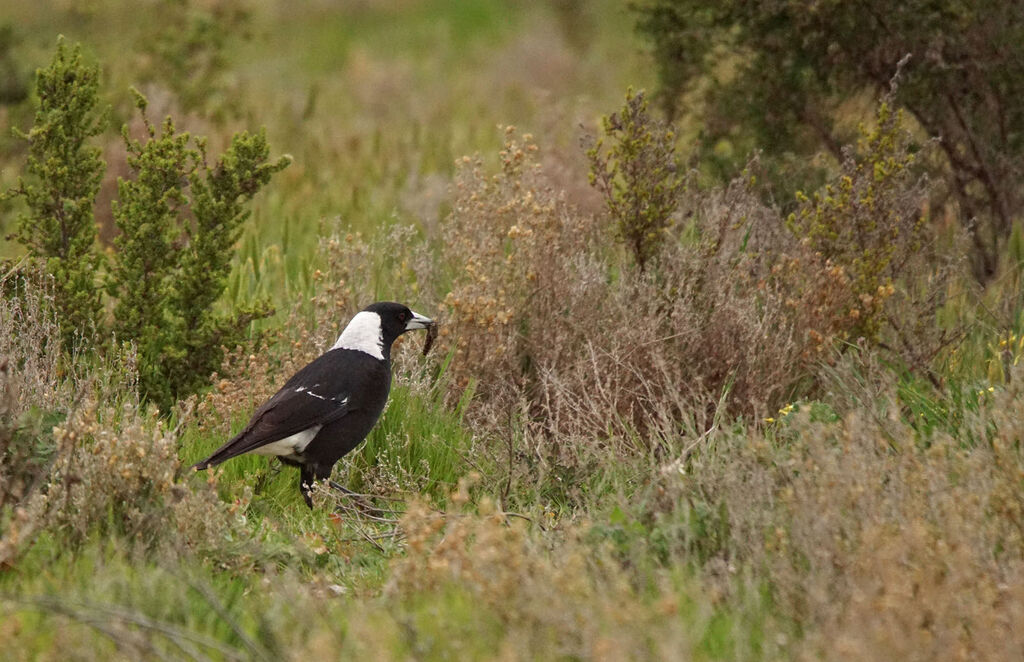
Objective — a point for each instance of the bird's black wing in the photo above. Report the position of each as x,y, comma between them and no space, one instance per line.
316,395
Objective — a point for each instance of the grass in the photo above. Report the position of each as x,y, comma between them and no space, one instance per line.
582,469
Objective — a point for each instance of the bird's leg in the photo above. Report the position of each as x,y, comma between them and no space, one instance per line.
306,484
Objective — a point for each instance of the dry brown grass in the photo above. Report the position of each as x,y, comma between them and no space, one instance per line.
588,357
573,600
880,543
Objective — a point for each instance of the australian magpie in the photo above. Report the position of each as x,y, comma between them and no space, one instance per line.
328,407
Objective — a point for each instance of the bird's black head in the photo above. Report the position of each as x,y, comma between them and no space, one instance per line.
396,319
378,325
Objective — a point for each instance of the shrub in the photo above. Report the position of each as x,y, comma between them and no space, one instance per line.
637,176
577,358
868,230
78,454
115,473
63,174
781,77
25,442
179,219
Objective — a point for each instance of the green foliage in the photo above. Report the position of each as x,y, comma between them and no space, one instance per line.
637,175
63,174
780,77
868,220
179,219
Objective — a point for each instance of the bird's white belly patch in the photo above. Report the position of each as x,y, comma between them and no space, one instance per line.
293,445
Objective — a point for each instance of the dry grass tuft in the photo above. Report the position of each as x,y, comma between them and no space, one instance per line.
881,543
573,601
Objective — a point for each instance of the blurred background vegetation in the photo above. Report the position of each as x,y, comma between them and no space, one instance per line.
731,317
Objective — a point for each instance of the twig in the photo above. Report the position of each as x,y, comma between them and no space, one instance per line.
13,269
358,495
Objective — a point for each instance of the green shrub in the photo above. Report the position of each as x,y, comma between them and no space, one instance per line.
786,77
637,176
179,219
62,177
868,227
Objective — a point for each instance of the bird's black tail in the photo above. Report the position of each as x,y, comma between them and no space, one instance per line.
225,452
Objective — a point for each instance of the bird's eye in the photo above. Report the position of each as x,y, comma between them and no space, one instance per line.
401,316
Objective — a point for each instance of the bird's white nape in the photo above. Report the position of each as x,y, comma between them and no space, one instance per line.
363,334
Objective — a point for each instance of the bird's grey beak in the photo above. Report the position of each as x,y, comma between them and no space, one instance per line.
418,322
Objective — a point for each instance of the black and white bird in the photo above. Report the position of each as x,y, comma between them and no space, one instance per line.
327,408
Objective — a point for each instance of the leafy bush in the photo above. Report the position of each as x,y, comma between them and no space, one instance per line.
780,76
63,176
637,176
868,229
179,218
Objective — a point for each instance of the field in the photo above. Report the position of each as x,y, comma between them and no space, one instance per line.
669,415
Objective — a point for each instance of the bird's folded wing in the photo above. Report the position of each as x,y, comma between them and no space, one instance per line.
290,411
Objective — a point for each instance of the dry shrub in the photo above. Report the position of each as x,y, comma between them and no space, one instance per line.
739,307
571,601
27,327
114,469
116,473
554,325
512,240
30,339
880,543
71,466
